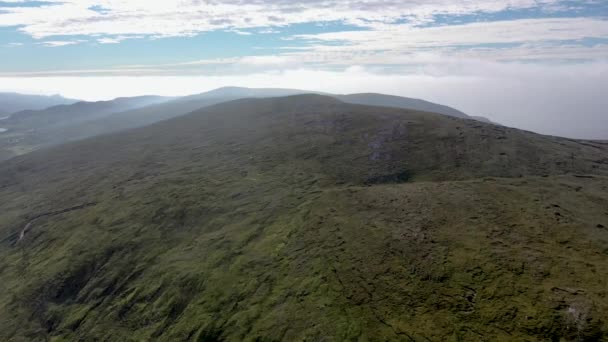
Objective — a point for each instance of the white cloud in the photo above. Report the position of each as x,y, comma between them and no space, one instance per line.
399,47
383,43
242,33
548,99
116,39
187,17
477,67
497,32
59,43
109,40
533,40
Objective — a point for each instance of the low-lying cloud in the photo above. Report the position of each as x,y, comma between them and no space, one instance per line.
550,99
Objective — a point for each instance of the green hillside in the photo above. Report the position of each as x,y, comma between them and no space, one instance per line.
33,130
306,219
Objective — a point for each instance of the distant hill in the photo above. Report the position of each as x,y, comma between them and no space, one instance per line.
32,130
12,102
241,92
35,129
370,99
306,218
62,115
401,102
186,104
119,121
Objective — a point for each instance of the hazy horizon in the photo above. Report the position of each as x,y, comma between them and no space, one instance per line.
535,65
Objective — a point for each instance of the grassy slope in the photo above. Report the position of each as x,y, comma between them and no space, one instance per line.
274,219
33,130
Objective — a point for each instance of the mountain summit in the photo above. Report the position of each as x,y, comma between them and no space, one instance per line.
32,130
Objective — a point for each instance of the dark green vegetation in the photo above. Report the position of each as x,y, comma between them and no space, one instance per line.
32,130
305,218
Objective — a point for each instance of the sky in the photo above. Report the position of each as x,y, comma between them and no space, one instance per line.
540,65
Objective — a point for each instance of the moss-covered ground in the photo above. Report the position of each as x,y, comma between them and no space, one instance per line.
305,219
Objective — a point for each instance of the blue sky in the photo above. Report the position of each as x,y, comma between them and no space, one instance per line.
213,37
21,52
522,55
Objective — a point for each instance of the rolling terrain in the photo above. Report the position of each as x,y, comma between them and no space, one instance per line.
62,115
306,218
32,130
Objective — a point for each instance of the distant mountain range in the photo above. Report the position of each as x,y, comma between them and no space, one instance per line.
72,114
32,129
370,99
13,102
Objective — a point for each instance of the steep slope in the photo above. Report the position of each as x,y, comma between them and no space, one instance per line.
305,218
12,102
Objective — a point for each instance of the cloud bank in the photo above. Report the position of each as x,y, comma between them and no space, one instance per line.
540,65
567,102
187,17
